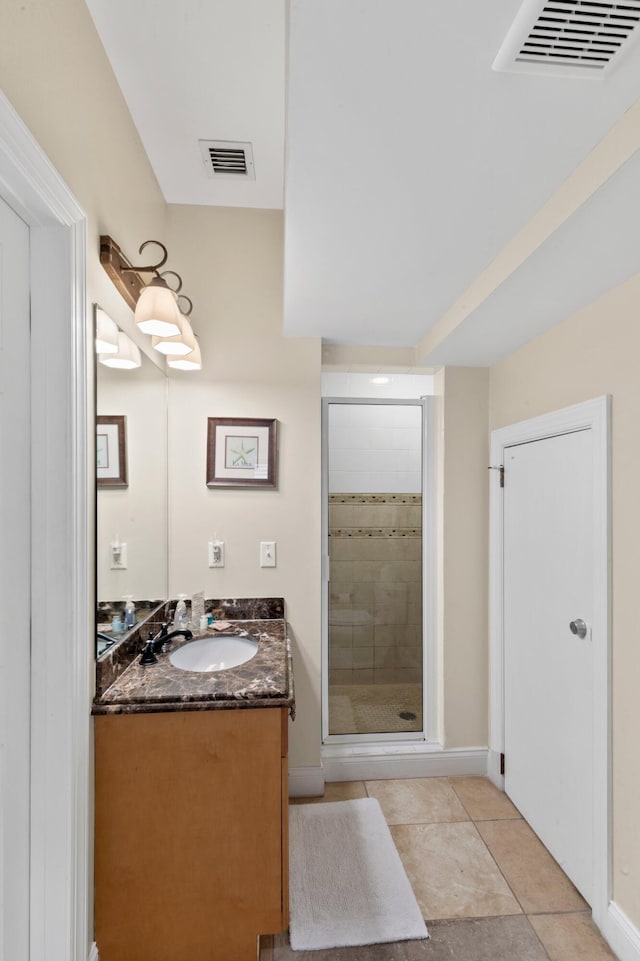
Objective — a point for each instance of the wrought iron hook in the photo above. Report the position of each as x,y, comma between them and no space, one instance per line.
186,313
152,268
177,289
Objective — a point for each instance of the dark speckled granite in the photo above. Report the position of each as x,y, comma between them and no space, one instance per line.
247,608
117,659
264,681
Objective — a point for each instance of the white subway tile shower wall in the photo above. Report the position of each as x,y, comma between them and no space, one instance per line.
375,449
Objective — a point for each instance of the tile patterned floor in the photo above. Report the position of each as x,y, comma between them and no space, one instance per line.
488,889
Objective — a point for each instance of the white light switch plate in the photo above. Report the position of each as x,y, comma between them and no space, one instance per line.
267,553
216,553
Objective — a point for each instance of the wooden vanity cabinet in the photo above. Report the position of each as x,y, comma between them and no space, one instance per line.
191,856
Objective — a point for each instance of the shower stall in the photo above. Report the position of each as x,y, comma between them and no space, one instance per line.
375,559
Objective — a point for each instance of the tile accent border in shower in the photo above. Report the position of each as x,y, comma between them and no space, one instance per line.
375,499
375,532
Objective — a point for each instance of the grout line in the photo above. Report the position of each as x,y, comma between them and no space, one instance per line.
541,914
516,817
501,872
453,788
537,937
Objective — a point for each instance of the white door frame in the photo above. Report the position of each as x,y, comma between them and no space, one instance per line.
593,415
61,629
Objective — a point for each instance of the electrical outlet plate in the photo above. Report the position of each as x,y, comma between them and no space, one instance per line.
267,553
118,556
216,553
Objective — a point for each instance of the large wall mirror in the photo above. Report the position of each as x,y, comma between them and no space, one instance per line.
131,494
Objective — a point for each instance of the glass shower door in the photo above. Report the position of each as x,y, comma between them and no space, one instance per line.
374,490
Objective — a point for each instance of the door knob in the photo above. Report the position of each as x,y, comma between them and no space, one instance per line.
578,627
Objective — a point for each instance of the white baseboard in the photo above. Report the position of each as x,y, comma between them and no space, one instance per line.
93,952
370,762
306,781
622,935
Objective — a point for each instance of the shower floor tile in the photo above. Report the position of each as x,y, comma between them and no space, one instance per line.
375,708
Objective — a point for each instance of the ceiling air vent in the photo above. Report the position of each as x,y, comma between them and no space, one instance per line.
578,38
228,159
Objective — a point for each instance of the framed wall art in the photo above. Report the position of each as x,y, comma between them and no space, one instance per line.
111,451
241,452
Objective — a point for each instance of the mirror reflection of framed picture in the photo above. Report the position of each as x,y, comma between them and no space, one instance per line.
241,452
111,451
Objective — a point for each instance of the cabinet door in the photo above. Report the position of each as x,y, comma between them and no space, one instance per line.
189,847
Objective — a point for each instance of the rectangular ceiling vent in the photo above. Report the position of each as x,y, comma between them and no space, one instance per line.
228,159
577,38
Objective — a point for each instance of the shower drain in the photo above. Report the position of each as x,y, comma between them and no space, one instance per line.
407,715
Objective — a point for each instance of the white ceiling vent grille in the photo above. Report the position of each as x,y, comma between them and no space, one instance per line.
229,159
579,38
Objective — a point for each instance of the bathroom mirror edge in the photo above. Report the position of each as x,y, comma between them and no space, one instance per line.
131,521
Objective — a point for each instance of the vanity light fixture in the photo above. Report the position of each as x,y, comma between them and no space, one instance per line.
126,357
155,303
157,310
182,343
106,333
192,361
380,380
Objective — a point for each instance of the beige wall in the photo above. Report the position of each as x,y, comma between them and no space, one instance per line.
55,73
463,498
591,354
232,269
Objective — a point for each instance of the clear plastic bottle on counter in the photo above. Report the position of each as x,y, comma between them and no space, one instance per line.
129,612
180,617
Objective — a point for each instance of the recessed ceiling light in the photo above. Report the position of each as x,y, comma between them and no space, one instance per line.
380,380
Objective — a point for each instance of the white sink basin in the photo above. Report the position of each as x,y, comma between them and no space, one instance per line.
214,653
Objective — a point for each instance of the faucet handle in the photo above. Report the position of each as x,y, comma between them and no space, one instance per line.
148,655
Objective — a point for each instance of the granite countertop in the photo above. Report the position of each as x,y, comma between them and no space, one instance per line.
266,680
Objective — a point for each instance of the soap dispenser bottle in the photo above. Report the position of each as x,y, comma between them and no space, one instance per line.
129,612
180,616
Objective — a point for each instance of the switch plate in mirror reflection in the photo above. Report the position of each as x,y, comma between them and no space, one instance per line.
137,514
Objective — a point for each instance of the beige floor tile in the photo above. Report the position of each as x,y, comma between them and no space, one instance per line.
335,791
417,800
535,878
482,799
567,937
451,872
484,939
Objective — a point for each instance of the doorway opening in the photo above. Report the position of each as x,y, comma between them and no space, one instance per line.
376,602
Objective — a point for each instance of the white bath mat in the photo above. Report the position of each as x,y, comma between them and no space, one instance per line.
347,885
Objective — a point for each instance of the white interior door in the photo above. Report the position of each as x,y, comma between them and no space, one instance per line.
548,669
15,591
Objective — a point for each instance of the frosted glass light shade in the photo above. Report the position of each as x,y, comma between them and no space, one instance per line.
106,333
180,345
192,361
127,356
157,309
